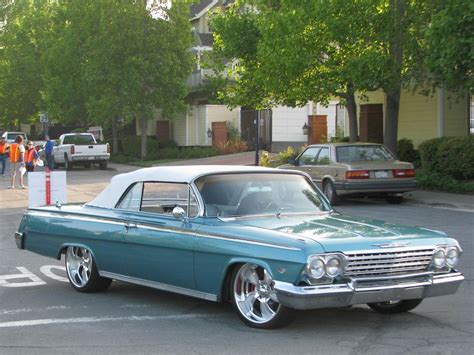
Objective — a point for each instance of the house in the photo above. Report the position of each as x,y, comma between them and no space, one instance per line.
420,117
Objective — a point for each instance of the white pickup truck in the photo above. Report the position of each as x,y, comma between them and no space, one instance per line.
80,148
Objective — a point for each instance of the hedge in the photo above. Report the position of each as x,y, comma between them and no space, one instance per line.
453,156
406,151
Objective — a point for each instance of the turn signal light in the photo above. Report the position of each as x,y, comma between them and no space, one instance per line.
357,174
404,173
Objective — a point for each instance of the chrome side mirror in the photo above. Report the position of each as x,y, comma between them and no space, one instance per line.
179,213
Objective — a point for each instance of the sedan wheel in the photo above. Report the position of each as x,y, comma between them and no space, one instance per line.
255,299
82,272
330,192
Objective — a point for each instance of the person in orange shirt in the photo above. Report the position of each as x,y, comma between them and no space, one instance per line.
17,161
31,157
3,153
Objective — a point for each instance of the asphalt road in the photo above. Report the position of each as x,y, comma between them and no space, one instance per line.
43,314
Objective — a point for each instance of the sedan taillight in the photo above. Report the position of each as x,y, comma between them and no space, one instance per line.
404,173
357,174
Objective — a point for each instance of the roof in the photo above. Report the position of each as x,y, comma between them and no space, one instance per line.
199,9
109,197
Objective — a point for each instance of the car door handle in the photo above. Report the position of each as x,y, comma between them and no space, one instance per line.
130,225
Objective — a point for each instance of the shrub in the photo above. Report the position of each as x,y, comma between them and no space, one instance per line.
452,156
338,139
232,131
265,159
406,151
131,146
284,156
232,146
437,181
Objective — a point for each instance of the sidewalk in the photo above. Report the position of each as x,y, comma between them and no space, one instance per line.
441,199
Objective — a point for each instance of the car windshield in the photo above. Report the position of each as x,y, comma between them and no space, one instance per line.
237,195
12,136
362,153
79,139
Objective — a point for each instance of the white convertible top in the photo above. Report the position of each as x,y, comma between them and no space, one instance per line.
181,174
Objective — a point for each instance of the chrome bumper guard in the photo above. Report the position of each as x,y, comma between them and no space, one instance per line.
368,290
19,240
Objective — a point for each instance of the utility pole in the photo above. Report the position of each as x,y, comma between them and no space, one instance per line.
257,137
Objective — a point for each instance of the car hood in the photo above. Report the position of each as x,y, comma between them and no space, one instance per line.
335,232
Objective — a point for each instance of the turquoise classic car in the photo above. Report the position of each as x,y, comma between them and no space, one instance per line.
266,240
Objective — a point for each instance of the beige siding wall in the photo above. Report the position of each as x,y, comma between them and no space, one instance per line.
219,113
191,126
418,117
150,124
456,112
178,129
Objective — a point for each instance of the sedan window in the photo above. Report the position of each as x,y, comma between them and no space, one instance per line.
131,201
323,157
162,198
308,157
362,153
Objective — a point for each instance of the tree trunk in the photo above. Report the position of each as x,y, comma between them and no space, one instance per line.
390,133
352,111
143,125
114,136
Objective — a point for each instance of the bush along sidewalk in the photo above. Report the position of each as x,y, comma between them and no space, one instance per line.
447,164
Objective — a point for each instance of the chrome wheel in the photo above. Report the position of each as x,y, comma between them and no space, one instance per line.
254,295
79,266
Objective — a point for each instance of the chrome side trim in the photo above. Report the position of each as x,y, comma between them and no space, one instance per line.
160,286
75,216
245,241
156,228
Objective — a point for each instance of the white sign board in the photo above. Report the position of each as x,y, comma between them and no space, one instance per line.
43,118
46,188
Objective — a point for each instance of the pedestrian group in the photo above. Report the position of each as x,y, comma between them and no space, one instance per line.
23,159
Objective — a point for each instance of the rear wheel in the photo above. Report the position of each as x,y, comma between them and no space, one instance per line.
392,307
82,271
68,165
330,192
255,300
103,165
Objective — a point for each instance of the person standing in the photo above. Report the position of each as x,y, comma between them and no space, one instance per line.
3,153
31,157
48,151
17,161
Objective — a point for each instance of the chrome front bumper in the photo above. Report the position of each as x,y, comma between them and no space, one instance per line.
359,291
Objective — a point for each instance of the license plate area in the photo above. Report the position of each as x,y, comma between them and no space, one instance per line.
381,174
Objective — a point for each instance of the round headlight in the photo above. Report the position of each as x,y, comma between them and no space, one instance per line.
316,268
333,266
452,257
439,259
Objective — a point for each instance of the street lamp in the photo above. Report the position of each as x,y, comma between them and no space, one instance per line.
305,129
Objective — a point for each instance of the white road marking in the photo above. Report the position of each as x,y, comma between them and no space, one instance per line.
46,269
35,322
25,273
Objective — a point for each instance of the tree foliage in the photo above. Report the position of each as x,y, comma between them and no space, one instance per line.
94,61
290,52
451,46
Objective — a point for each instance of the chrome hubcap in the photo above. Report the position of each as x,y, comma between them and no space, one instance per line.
254,294
78,265
328,191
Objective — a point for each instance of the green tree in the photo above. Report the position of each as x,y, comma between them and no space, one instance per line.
450,38
289,52
25,26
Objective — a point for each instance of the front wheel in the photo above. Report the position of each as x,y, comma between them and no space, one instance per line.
330,192
392,307
82,271
255,300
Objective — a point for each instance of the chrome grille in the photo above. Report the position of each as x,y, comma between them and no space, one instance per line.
390,262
